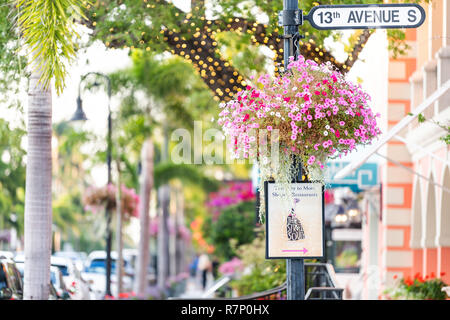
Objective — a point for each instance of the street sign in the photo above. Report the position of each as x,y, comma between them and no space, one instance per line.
370,16
297,231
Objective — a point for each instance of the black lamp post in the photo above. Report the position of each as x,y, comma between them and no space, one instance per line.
79,115
290,18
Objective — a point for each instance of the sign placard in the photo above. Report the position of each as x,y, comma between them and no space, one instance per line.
370,16
298,231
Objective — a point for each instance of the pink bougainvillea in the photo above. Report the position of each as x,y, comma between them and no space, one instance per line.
317,112
231,267
230,194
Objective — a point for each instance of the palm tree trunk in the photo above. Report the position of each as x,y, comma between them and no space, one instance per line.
163,236
38,195
119,262
146,185
179,218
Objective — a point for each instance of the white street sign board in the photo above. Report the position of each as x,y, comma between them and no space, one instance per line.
370,16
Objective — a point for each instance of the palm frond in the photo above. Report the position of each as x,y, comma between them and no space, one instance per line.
48,31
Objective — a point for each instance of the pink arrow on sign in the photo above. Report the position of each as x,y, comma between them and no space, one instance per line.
304,250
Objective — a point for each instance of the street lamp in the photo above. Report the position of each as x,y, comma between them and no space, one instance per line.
79,115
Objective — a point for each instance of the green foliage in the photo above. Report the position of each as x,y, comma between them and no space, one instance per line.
264,274
139,25
12,63
175,86
233,227
12,176
67,209
48,28
187,173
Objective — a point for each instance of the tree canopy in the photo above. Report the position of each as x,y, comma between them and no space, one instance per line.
203,33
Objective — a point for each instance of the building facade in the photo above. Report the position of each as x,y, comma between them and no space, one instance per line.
408,231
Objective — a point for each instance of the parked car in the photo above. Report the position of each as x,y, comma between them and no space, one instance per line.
7,254
74,282
11,287
95,273
76,258
57,280
58,290
77,286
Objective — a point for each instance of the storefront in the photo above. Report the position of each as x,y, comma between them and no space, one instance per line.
410,234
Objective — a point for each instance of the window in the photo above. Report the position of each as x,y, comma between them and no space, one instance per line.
64,269
99,266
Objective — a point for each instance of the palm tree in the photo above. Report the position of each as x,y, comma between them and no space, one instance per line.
144,207
47,30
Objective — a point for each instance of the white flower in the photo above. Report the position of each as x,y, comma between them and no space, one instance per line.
327,127
325,133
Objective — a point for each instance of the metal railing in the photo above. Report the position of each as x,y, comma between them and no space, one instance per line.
320,282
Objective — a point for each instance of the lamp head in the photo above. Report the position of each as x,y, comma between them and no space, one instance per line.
79,114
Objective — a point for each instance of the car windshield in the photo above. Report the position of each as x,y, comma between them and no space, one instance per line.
64,269
99,266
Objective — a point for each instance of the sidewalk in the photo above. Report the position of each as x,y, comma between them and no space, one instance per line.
194,289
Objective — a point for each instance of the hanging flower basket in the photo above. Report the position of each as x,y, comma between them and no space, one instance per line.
311,111
96,199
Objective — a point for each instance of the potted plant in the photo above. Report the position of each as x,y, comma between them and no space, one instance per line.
312,111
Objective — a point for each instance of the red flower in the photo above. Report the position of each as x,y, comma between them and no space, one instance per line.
395,276
246,117
443,274
337,133
287,99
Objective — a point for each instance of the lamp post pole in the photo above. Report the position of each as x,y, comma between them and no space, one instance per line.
80,115
291,18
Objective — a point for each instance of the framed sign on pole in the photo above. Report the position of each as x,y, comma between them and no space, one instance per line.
297,230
